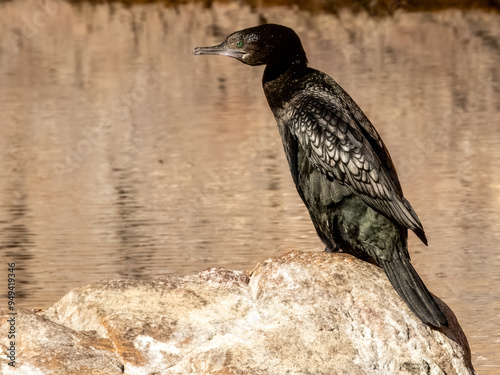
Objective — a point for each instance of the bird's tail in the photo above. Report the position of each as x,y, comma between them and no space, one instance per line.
412,290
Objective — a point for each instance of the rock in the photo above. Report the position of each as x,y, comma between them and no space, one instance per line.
45,347
300,313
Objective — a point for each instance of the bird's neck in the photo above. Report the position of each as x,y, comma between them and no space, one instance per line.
280,81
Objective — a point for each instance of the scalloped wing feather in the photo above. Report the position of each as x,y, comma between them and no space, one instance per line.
340,151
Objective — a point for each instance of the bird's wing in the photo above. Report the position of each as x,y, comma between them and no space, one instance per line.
350,153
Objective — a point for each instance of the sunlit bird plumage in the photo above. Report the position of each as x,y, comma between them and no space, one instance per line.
340,166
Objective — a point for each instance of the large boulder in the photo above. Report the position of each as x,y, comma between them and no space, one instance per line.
300,313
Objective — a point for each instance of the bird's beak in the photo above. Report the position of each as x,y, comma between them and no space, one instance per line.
220,49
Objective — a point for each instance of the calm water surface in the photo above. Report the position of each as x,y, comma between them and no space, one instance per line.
122,155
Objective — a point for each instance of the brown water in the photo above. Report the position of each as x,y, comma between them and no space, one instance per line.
122,155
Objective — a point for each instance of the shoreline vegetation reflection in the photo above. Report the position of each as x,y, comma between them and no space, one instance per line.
374,8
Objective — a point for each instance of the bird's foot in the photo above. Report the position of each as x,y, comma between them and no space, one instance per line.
335,249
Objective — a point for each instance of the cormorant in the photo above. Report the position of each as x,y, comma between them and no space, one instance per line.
340,165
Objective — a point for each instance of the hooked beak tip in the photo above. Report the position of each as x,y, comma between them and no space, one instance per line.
198,51
220,49
213,50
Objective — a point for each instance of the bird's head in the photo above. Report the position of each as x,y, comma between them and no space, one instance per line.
260,45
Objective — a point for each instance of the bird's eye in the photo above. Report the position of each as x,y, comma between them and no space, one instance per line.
239,44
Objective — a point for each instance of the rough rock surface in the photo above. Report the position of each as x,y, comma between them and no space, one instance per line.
300,313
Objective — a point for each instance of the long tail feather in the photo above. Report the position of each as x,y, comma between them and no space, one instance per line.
412,290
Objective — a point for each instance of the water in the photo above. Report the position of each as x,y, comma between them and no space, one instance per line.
125,156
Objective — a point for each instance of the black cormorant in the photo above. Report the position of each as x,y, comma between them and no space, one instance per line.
341,168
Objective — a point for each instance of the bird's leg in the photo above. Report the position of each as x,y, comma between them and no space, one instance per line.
332,249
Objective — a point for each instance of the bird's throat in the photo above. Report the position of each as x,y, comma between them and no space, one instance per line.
279,82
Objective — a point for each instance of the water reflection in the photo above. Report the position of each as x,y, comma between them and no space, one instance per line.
125,156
